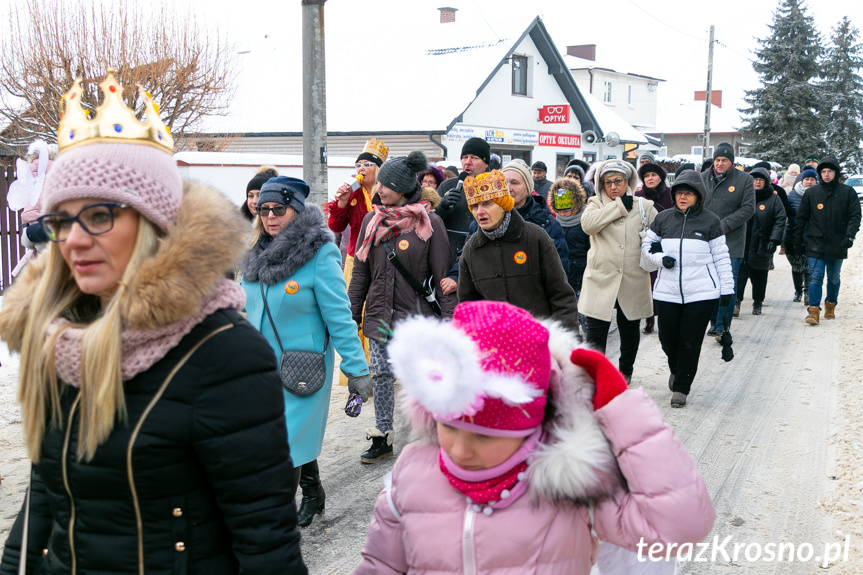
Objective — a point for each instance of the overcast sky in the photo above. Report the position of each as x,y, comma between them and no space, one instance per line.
666,39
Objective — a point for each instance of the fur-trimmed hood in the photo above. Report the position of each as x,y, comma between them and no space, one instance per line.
574,461
273,261
198,250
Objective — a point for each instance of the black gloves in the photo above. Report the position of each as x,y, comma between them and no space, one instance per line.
847,243
627,202
725,300
450,198
771,246
656,248
668,262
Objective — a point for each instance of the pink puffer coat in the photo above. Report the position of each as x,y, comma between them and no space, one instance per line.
422,525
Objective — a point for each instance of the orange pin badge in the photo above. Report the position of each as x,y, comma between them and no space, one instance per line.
403,245
519,257
731,188
820,206
354,202
292,287
762,207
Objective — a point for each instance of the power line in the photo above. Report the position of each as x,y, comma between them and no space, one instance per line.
666,24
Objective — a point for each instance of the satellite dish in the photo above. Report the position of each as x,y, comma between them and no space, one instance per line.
589,136
612,139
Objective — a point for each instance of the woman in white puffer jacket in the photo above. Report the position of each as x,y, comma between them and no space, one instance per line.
689,244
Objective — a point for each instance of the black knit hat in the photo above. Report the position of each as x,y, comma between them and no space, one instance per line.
725,150
760,172
539,165
651,168
479,148
706,164
811,158
400,174
574,168
263,174
286,191
683,168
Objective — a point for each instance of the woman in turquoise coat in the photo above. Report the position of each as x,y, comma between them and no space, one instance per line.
298,264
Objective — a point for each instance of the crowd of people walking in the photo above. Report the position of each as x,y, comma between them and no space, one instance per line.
175,384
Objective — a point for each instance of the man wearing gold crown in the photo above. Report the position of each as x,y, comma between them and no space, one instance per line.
510,259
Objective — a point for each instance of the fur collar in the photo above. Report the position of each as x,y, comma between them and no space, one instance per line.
207,240
574,461
303,237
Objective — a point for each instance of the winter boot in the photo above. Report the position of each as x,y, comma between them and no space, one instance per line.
648,325
798,295
829,310
737,308
671,382
756,308
678,399
382,445
813,317
805,296
313,494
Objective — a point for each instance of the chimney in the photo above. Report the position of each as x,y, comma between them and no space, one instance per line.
715,97
447,15
584,51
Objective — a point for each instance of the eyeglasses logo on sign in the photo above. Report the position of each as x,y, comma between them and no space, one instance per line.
554,114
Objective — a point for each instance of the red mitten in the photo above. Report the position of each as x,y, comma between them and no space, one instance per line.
609,381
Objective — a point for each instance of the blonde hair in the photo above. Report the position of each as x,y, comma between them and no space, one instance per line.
102,401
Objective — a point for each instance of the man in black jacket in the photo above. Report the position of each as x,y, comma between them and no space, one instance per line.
829,216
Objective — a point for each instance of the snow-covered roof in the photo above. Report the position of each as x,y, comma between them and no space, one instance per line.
611,122
576,63
416,78
688,118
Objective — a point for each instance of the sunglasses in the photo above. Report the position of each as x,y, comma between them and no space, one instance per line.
278,211
359,165
95,219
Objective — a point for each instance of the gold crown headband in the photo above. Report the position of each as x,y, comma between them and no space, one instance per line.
485,186
113,120
377,149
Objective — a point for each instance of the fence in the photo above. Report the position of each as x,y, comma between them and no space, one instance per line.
11,249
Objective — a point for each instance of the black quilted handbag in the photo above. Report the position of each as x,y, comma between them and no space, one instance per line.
302,372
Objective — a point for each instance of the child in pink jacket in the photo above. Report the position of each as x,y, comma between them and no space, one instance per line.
529,450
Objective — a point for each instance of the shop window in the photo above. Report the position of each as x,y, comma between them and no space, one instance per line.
519,75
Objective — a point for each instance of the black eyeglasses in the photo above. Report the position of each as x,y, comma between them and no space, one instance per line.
95,219
278,211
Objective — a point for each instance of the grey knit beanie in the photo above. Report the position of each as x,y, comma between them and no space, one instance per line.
400,174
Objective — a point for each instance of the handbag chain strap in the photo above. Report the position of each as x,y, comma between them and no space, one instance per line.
273,324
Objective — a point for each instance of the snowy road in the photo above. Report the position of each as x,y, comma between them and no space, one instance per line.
777,434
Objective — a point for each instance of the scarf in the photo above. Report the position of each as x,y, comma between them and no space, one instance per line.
498,232
798,187
720,177
141,349
499,486
569,221
391,221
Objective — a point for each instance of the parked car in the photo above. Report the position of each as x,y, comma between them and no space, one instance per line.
856,182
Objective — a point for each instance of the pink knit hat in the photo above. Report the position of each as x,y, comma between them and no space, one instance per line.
487,371
140,176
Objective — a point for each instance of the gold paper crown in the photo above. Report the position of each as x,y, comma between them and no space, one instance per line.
377,149
113,120
486,186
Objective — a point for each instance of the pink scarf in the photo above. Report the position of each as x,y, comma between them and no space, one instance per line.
500,485
141,349
390,221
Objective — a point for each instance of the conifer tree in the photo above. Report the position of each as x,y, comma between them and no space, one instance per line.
784,120
843,90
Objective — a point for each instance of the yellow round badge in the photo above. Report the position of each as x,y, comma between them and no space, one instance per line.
354,202
762,207
731,188
292,287
820,206
403,245
519,257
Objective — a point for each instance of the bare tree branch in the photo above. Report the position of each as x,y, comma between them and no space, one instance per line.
188,70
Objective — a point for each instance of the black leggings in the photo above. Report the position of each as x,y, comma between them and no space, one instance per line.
759,282
597,336
681,332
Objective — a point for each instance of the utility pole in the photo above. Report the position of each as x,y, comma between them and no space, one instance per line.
707,97
314,101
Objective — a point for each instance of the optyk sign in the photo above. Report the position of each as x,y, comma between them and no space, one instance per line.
564,140
554,114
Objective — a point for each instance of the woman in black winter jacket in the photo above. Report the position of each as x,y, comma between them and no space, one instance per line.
151,409
763,234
